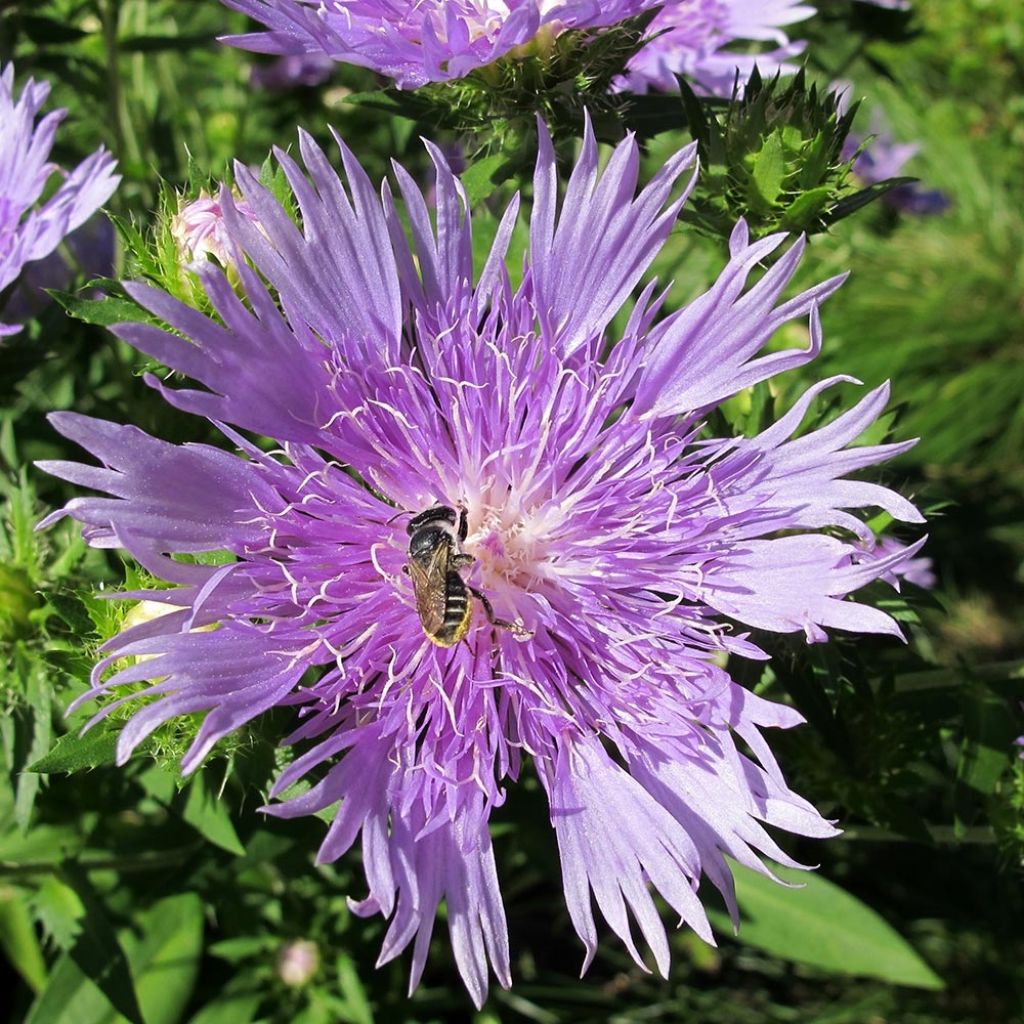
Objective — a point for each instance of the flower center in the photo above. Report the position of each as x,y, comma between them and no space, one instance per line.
484,18
510,546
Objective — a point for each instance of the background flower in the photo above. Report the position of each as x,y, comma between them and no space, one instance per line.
423,41
881,158
599,516
30,230
692,38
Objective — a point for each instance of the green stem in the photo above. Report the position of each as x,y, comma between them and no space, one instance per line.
980,834
1009,672
145,862
110,15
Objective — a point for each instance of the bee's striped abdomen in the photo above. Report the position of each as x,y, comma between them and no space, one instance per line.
457,612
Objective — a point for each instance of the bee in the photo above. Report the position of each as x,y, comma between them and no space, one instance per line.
436,560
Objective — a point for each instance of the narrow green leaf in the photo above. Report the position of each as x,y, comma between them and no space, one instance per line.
49,31
39,694
242,948
823,926
18,939
159,44
851,204
357,1006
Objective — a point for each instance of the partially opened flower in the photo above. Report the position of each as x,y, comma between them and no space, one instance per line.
200,231
698,39
420,41
30,229
489,539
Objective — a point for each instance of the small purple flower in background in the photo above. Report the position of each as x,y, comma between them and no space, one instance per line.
88,252
292,70
419,41
693,37
919,571
199,230
28,231
883,158
589,542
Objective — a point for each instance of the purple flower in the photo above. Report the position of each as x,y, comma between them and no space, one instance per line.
87,252
612,539
419,41
919,571
30,230
883,158
291,70
693,39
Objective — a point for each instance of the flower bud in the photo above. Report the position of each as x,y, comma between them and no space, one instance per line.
298,962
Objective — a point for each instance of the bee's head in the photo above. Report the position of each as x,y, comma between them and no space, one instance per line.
437,514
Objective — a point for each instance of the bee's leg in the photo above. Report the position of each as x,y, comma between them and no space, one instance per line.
513,627
460,561
463,525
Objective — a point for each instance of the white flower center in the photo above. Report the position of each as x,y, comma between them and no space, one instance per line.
510,546
484,18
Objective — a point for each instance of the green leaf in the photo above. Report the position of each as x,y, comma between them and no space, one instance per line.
69,997
242,948
39,694
49,31
823,926
18,939
74,753
209,816
42,844
163,956
165,961
986,749
159,44
357,1006
484,177
768,171
98,952
91,983
805,210
237,1008
861,199
59,910
104,312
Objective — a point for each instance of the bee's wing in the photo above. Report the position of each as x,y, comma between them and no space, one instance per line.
429,586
